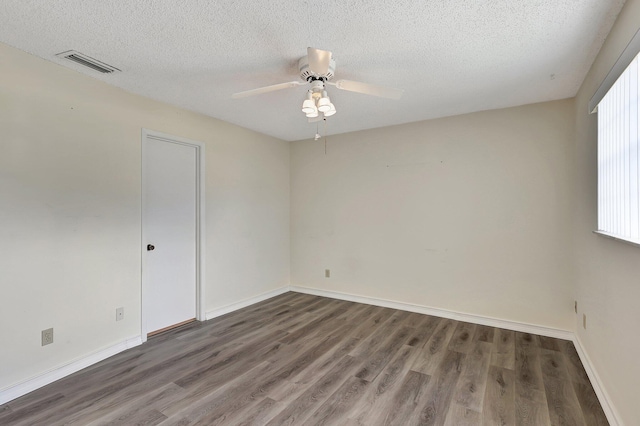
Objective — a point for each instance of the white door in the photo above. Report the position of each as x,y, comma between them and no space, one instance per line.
170,233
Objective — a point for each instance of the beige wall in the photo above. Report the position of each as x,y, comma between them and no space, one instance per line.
607,271
468,213
70,201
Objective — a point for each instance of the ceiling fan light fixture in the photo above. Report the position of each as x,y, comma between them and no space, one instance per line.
332,110
309,105
313,114
324,103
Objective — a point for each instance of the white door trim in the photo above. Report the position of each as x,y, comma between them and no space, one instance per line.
200,223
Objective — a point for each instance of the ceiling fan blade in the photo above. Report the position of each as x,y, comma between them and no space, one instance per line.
319,60
368,89
266,89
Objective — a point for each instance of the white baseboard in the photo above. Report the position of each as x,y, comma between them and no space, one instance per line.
244,303
14,391
605,401
443,313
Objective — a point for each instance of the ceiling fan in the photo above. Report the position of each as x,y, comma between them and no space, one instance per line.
317,69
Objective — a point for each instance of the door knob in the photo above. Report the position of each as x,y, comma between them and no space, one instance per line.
150,247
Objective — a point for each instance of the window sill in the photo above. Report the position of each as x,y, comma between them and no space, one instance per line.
615,237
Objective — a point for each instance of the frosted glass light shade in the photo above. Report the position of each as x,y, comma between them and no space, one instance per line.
308,106
324,104
332,110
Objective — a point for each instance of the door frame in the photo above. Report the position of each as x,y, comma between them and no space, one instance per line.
200,223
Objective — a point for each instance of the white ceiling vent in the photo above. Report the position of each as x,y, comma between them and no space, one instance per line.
87,61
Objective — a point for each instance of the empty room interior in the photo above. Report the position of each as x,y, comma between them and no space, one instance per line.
431,240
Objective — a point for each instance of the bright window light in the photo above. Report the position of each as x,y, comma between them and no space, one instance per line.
618,157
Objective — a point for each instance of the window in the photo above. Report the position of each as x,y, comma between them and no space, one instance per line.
618,152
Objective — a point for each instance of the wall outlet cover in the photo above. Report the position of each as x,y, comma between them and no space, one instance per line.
119,314
47,336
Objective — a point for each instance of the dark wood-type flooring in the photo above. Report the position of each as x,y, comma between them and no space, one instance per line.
298,359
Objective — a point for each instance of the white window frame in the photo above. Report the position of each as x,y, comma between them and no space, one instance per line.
618,147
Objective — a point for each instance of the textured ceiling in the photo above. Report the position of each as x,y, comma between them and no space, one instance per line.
450,56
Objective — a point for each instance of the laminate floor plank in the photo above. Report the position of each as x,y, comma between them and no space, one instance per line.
406,401
423,331
304,359
379,396
340,404
574,365
529,384
469,392
237,321
375,362
263,385
414,320
399,318
499,402
563,405
322,322
439,391
302,407
110,393
366,328
531,413
326,361
30,411
258,414
484,333
553,365
550,343
462,338
459,415
215,380
136,409
378,334
504,349
435,349
124,406
211,406
293,387
591,409
140,417
248,354
302,298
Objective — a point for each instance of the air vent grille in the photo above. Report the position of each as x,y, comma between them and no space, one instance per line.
87,61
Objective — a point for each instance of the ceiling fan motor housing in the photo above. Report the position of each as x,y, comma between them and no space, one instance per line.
317,86
306,74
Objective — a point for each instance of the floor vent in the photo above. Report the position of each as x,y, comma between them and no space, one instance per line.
87,61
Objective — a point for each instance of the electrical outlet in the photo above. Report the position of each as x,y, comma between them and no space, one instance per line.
584,321
47,336
327,273
119,314
575,306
